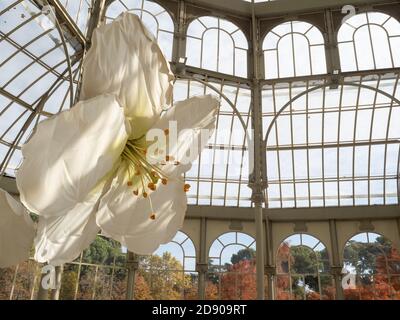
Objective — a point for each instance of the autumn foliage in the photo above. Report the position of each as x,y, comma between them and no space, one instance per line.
379,286
301,274
239,283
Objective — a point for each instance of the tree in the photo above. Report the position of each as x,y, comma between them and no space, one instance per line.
211,291
101,282
103,251
165,276
243,254
142,289
236,280
377,262
298,268
68,283
27,278
239,282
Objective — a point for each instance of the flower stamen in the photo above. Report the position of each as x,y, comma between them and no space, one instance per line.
186,187
151,186
143,176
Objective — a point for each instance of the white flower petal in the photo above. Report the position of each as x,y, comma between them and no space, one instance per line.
16,231
126,218
195,120
61,239
69,155
125,59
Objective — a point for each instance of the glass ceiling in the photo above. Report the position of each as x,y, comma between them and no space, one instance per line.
335,146
36,60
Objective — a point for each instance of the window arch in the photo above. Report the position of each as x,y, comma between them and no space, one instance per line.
154,17
375,263
353,134
231,267
225,181
170,273
216,44
369,41
303,270
294,48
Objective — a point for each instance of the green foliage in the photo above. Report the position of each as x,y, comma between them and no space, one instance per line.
68,285
362,257
103,251
304,260
307,263
243,254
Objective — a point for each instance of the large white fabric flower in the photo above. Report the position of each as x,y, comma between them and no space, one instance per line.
16,231
125,60
98,165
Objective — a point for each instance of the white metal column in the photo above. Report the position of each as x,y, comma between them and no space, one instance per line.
202,264
256,179
336,268
132,265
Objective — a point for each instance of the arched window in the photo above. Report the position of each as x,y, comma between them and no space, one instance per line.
231,267
169,274
303,270
217,44
373,266
332,147
220,175
369,41
154,17
293,49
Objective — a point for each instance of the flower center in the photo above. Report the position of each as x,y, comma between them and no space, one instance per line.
143,176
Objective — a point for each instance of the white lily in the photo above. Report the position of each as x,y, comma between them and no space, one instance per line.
86,169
